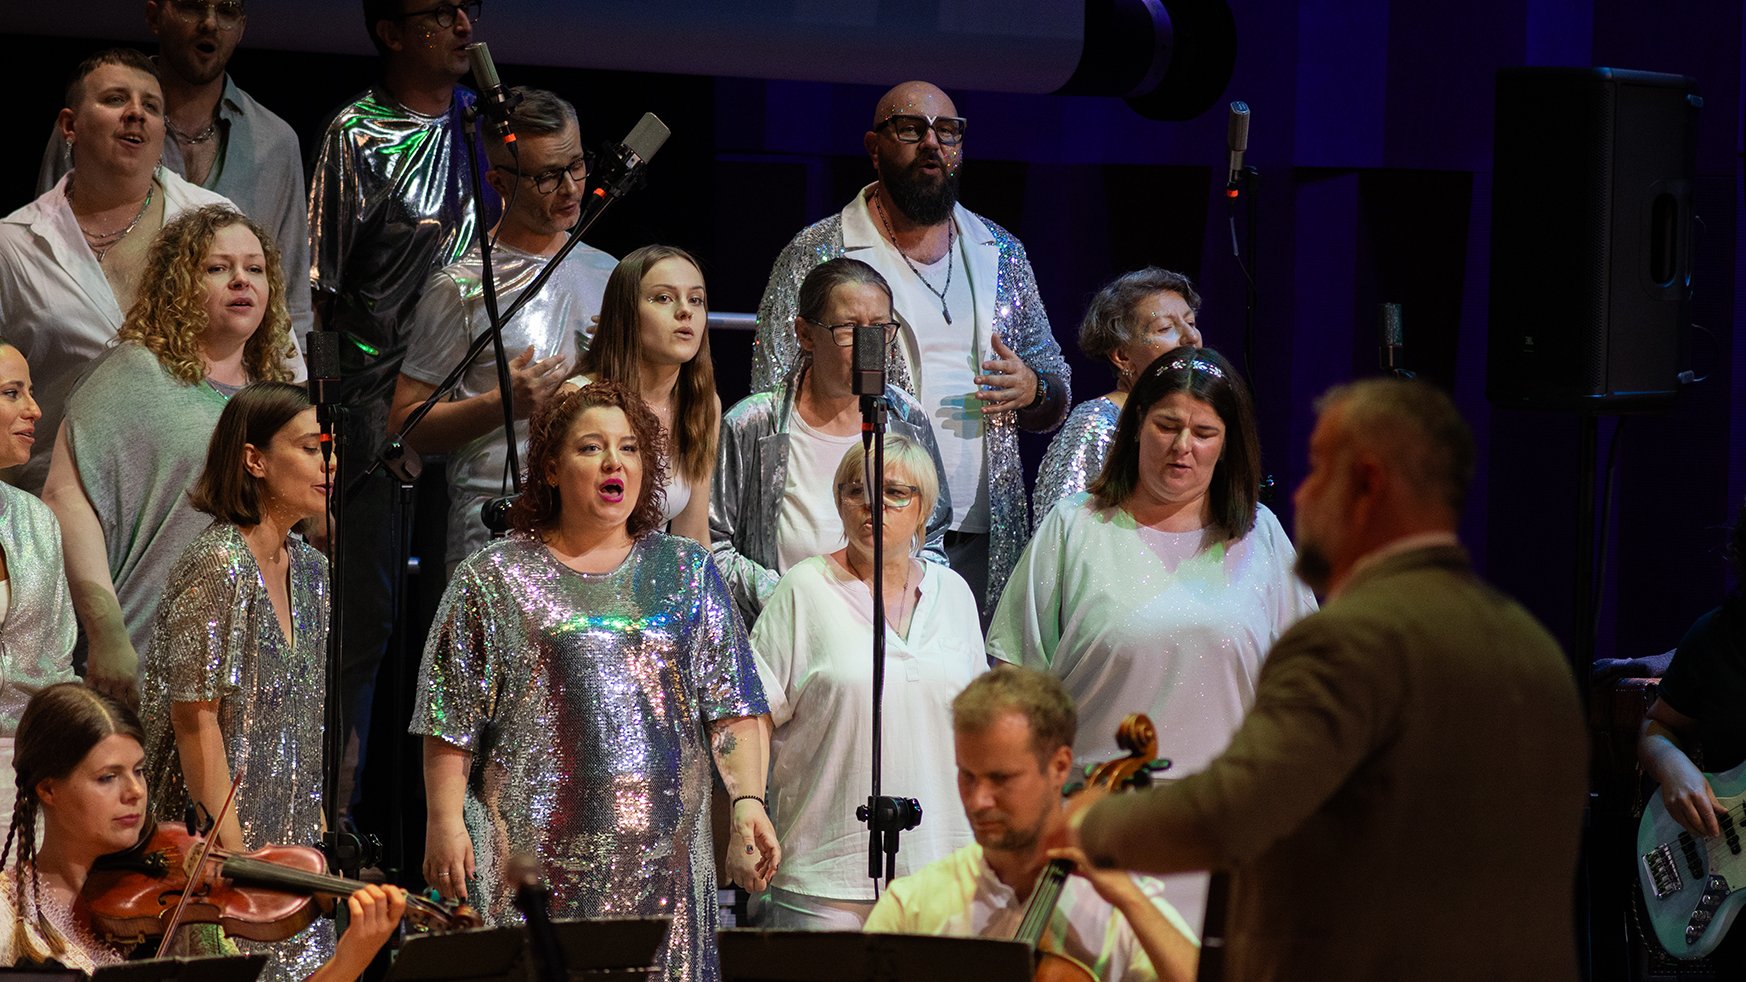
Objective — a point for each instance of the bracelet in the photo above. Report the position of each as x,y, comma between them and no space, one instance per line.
749,797
1042,392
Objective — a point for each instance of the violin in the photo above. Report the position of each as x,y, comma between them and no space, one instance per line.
270,894
1139,738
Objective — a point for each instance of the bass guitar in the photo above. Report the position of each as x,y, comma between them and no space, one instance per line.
1694,885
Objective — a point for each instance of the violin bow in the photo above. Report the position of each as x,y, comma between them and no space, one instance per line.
201,853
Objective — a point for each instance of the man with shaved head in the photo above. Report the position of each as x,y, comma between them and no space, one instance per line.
218,137
1404,800
975,349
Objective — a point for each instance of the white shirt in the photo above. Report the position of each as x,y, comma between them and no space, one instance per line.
808,523
960,896
813,646
949,359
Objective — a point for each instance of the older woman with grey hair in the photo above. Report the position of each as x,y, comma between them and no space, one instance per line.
771,503
1135,318
813,647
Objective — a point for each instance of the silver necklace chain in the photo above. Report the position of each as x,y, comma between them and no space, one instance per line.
879,200
102,242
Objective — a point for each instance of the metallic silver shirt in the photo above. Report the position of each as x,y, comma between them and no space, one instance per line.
584,700
1076,455
36,635
390,202
451,313
218,639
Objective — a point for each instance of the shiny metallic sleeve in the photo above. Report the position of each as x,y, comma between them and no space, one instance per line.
911,420
335,199
1076,455
775,350
727,676
1021,321
202,623
459,675
734,490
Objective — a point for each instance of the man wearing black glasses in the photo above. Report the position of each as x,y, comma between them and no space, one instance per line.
975,346
389,204
219,137
544,191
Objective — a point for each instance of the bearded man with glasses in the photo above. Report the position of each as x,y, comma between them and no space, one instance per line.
974,346
219,137
390,203
544,191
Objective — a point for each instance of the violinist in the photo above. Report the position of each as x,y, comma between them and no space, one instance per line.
1013,729
234,679
81,780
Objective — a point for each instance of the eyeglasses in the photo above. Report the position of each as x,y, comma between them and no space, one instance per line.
910,129
843,335
547,181
896,495
227,14
444,13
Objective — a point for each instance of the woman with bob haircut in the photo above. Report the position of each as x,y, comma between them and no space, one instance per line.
653,338
1161,590
579,678
81,780
1135,318
235,678
212,321
813,644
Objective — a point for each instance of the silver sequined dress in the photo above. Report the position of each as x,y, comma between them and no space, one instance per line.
1076,455
218,638
584,699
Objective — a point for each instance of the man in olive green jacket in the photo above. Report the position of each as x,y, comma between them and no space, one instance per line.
1404,800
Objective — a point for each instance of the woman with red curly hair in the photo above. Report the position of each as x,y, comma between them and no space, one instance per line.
134,437
569,684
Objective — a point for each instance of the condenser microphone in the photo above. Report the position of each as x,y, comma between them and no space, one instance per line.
323,348
868,357
1237,139
625,162
495,102
1392,342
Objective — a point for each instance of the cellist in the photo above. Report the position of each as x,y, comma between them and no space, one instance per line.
1013,731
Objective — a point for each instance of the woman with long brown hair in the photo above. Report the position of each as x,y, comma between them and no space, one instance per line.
654,339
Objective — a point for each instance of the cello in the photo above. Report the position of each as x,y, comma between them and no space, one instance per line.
1139,738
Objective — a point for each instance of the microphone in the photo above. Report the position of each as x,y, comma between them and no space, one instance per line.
532,897
1393,342
625,162
495,513
1237,138
868,374
323,348
495,102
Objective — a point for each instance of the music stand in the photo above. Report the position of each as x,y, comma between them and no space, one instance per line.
849,956
593,949
232,968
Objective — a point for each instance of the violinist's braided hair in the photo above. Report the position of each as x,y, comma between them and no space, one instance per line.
59,727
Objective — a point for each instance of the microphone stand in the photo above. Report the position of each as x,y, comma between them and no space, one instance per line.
885,816
1238,192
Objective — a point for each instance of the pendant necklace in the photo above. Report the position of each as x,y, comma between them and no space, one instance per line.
941,293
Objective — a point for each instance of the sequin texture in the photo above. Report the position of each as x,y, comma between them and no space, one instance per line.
1019,319
1076,455
584,699
217,638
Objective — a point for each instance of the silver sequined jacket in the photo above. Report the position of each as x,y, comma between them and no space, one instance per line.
1075,457
1017,316
751,471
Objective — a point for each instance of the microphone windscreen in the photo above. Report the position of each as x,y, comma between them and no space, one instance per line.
484,70
522,869
1391,330
323,348
647,136
1237,134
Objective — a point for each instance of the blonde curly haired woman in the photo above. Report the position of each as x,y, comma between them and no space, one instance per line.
211,319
